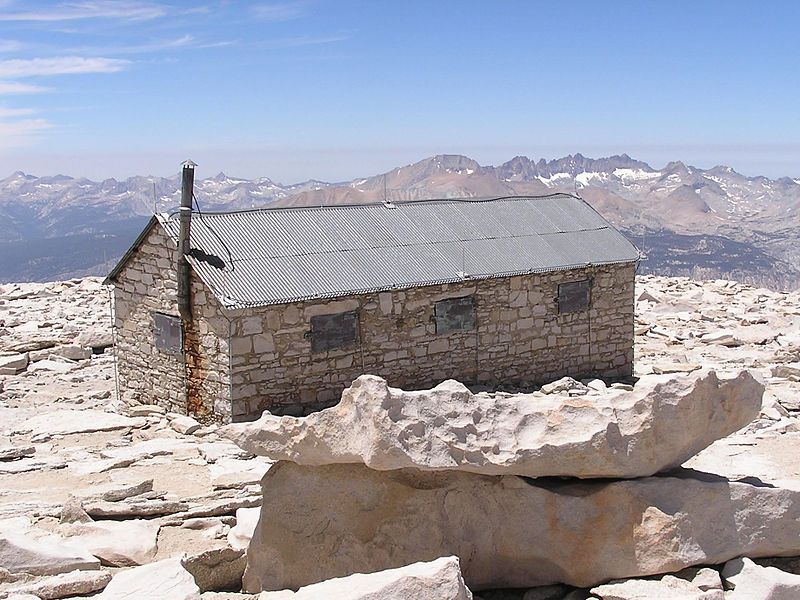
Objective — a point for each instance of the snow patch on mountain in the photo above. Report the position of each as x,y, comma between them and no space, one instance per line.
636,174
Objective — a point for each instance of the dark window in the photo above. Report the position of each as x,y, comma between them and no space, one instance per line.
455,314
168,333
334,331
574,296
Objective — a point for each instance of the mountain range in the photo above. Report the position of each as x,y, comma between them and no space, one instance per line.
713,223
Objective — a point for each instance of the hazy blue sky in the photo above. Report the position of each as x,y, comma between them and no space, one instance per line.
335,89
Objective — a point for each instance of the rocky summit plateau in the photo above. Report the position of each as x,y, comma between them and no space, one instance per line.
680,483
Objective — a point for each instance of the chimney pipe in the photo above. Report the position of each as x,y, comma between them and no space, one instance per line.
187,192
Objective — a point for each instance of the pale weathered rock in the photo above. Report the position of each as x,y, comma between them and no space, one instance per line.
115,543
722,337
666,588
72,352
66,421
128,491
178,448
96,337
13,364
661,424
53,366
184,424
666,367
132,509
703,578
74,583
24,550
15,452
212,452
146,410
439,579
227,473
771,408
596,384
246,520
508,531
213,528
750,581
564,385
221,507
788,370
23,465
72,512
162,580
218,569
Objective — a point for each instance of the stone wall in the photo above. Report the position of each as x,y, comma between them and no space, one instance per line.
240,362
520,337
199,385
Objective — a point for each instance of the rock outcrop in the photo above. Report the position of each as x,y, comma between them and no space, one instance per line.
331,521
661,424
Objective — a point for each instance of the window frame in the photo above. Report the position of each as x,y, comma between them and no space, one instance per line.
164,338
323,330
574,296
464,322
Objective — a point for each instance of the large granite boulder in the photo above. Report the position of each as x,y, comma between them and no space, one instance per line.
662,423
330,521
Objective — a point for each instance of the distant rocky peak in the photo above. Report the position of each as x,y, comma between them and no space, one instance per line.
677,167
454,163
429,167
521,168
724,171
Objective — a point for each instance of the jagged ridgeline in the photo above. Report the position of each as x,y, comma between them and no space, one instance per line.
713,223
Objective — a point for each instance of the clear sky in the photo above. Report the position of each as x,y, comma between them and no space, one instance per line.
336,89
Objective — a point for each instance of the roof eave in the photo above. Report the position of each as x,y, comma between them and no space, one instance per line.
111,277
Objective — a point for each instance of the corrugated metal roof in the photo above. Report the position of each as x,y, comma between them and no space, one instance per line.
283,255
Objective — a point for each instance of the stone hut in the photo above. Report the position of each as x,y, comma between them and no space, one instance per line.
289,305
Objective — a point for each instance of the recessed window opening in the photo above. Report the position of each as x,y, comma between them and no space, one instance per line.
574,296
454,314
329,332
168,333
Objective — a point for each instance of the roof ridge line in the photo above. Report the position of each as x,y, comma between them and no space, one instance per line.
470,200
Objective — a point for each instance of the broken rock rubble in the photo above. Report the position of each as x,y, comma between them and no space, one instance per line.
38,470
